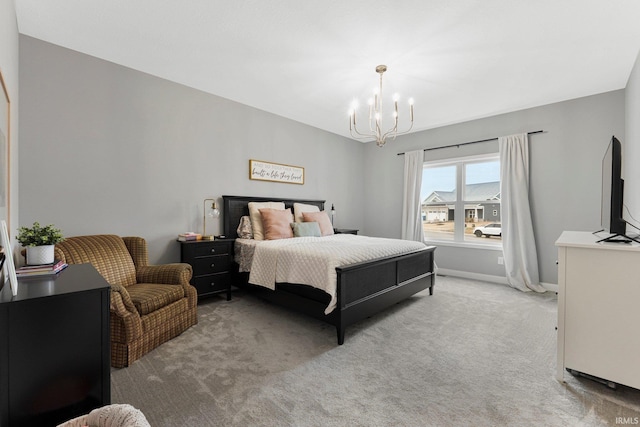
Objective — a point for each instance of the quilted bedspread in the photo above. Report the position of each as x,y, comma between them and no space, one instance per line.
313,260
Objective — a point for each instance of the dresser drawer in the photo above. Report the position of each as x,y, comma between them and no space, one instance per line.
210,264
212,283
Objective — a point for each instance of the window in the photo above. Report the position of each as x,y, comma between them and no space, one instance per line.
469,186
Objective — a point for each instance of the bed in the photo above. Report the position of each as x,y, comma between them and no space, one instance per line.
362,289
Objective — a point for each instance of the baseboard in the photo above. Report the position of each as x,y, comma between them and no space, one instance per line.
474,276
488,278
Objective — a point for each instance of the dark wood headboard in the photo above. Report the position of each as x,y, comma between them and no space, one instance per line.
235,207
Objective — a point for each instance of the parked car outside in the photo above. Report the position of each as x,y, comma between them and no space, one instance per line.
494,229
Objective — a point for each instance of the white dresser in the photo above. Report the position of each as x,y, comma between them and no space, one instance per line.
599,308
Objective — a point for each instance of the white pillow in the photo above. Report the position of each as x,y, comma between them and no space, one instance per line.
256,218
298,208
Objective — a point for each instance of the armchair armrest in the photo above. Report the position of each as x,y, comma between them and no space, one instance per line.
170,274
121,302
123,310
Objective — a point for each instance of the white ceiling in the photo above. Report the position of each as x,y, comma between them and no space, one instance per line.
308,60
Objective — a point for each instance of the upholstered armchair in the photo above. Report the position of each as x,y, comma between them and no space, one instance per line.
150,304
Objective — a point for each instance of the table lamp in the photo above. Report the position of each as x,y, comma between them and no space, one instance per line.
212,212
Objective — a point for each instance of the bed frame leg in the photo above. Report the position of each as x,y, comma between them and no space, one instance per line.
431,290
340,331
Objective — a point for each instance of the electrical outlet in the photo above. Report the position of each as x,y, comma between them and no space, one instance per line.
500,260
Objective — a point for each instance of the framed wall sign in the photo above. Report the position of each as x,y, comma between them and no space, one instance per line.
276,172
5,150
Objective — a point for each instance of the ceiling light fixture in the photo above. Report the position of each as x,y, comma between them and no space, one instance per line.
375,116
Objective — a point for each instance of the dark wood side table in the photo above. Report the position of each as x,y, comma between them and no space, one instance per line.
212,262
54,347
345,231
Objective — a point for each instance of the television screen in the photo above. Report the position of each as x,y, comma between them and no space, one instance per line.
613,190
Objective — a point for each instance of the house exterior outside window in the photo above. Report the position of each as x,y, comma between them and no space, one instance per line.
469,185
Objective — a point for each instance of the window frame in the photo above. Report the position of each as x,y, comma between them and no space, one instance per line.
458,230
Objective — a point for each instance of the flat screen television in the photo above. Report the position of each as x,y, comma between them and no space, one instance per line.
612,219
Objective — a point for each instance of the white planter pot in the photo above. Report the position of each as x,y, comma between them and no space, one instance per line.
40,254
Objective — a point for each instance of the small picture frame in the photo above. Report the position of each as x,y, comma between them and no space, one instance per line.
9,267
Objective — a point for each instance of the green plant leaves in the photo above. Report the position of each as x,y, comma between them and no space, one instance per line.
39,236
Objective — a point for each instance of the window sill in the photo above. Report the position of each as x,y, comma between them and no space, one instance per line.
466,245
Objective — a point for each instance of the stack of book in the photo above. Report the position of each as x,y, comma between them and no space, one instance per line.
189,236
41,270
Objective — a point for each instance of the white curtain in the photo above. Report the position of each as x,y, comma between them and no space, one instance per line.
411,205
519,246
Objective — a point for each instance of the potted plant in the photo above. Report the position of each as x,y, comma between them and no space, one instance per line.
39,242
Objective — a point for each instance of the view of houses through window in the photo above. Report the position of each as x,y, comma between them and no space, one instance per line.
469,186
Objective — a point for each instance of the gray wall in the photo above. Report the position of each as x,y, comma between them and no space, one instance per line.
564,177
106,149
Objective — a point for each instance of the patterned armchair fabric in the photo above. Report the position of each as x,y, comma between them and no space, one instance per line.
150,304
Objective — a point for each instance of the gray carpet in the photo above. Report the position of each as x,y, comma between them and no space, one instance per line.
473,354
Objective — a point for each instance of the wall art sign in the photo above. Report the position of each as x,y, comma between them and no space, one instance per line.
276,172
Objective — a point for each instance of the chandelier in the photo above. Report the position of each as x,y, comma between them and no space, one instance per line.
376,129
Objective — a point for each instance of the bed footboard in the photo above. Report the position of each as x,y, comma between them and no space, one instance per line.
369,287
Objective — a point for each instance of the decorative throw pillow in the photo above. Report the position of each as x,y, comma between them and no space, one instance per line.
276,223
322,219
244,229
256,219
306,229
298,208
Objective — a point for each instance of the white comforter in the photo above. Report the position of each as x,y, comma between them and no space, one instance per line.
313,260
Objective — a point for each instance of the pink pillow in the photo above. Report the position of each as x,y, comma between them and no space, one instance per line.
276,223
322,219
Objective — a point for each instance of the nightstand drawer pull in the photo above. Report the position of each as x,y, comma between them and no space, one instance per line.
212,265
212,284
213,250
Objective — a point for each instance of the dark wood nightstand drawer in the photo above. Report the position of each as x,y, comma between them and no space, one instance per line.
207,249
212,283
210,264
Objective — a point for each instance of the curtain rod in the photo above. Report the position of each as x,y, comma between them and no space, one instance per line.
472,142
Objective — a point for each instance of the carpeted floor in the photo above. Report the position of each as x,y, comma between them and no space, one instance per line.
472,354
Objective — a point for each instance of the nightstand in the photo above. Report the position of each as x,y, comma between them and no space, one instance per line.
211,261
345,231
